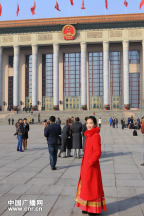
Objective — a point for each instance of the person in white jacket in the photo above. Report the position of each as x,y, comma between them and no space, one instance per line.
99,122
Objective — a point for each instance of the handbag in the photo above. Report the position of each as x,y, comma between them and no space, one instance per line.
59,141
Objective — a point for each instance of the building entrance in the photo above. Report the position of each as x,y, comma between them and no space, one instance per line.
116,102
72,81
47,81
47,103
28,102
10,92
72,103
96,103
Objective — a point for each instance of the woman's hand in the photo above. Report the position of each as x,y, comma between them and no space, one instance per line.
44,125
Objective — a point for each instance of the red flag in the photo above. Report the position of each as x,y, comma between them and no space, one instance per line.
71,1
106,4
125,3
142,3
33,8
82,5
17,12
0,10
57,6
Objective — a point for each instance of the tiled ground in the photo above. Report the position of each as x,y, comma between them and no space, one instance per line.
27,176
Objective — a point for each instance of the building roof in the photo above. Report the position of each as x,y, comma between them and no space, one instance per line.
80,22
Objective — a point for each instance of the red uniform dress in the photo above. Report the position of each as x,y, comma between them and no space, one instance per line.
90,194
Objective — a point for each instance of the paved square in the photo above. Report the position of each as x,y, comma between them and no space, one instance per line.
27,176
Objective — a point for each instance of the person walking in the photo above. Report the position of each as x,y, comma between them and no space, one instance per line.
72,118
99,122
110,121
25,134
58,121
19,131
12,121
39,117
66,139
84,128
9,121
113,122
122,123
116,122
76,137
90,194
51,132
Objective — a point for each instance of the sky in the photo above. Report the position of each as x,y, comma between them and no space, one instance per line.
45,8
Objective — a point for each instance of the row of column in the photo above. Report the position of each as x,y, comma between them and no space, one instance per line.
83,74
125,73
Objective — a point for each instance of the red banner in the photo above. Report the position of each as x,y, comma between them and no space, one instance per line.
33,9
82,5
17,12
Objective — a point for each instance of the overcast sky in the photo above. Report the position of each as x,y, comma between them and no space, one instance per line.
45,8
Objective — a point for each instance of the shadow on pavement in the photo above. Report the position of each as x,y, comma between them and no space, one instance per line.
111,154
123,205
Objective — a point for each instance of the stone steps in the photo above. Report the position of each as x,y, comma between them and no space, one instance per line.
63,115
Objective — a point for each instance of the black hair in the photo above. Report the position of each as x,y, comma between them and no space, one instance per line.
77,119
86,118
93,118
52,118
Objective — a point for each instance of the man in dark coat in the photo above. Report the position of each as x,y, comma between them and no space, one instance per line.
113,122
58,121
66,139
12,121
25,134
9,120
39,117
52,132
77,137
84,128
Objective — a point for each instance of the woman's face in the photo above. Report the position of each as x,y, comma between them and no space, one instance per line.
90,124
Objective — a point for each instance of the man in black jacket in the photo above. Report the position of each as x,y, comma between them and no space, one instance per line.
52,132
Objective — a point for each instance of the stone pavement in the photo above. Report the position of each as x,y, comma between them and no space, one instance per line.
27,177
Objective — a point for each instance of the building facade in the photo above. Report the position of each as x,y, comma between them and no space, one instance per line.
102,67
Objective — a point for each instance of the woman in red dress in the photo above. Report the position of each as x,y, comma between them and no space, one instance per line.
90,195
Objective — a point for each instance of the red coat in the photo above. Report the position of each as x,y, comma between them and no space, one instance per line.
90,175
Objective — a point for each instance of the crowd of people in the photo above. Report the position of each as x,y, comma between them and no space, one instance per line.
131,123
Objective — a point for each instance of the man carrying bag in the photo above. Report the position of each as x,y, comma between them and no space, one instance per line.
52,133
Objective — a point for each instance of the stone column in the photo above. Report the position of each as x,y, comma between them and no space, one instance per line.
16,77
126,73
83,75
56,76
1,49
34,75
106,74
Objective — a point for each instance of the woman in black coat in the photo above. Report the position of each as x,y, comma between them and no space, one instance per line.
76,137
25,134
66,139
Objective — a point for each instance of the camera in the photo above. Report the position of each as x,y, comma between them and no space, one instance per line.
15,134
